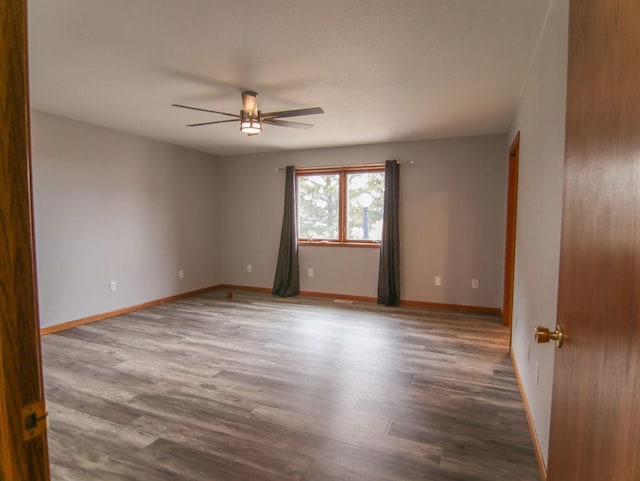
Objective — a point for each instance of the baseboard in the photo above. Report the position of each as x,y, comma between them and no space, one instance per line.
403,302
527,410
342,297
231,287
324,295
453,307
118,312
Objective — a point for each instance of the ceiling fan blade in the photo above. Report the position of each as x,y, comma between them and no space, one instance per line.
210,123
286,123
205,110
292,113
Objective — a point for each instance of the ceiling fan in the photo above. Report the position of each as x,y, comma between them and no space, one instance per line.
251,119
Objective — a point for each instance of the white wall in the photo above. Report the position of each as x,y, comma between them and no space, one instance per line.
452,221
113,206
540,119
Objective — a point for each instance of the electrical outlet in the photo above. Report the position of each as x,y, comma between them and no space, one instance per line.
537,374
310,271
515,321
475,283
249,268
181,274
437,281
113,286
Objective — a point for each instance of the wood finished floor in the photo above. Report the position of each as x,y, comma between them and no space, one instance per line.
261,389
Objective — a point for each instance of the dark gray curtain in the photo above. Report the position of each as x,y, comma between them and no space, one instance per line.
389,270
287,281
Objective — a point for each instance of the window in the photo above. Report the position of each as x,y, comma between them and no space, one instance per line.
340,206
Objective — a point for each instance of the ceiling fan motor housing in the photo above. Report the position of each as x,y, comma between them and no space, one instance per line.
250,102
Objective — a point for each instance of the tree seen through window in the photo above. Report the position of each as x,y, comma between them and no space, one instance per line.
341,205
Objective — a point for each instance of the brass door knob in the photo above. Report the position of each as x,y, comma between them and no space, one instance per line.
543,334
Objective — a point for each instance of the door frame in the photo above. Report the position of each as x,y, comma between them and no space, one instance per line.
510,238
21,458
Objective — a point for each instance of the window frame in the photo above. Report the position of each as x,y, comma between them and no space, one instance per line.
342,172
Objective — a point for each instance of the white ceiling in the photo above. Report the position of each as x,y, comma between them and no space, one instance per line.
383,70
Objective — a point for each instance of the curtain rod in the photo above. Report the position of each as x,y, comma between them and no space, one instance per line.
280,169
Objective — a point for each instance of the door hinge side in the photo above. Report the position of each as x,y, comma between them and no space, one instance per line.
34,420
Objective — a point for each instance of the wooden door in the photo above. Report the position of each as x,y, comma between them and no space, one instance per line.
510,241
20,365
595,420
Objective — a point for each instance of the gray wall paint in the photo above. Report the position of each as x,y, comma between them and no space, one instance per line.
452,218
113,206
541,121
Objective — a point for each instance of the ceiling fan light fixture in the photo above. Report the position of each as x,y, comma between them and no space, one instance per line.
250,124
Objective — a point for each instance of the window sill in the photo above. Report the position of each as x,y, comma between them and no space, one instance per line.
369,245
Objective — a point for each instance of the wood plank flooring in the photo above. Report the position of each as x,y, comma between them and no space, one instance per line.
260,388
